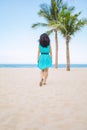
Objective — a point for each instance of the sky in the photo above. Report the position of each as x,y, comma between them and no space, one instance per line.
19,42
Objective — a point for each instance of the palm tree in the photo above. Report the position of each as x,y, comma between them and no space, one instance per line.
71,24
52,15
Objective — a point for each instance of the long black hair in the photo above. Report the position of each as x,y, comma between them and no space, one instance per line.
44,40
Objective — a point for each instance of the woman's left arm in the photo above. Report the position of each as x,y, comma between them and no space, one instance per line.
38,55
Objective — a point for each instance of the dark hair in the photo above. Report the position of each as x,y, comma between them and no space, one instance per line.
44,40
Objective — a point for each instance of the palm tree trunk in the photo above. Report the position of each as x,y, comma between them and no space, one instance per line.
56,49
67,55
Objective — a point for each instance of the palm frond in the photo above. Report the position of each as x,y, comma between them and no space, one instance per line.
54,9
71,8
45,11
77,15
72,24
84,20
39,24
49,31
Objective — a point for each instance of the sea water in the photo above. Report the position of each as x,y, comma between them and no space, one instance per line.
35,66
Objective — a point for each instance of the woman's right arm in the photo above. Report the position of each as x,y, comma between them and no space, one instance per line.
50,51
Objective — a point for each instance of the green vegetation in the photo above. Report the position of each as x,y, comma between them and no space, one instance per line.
59,17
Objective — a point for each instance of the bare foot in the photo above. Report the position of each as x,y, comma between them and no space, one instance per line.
41,82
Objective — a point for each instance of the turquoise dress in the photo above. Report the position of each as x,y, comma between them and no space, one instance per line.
45,60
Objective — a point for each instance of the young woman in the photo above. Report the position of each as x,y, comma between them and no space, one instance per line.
44,57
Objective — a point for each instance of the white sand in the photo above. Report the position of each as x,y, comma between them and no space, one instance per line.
60,105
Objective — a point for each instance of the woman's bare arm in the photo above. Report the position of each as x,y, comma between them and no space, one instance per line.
38,54
51,51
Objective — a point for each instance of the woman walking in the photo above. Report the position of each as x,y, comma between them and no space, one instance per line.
44,57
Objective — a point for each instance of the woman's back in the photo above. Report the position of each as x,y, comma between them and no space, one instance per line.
44,49
45,60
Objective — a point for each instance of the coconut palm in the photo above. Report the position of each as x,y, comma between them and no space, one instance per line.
51,15
71,24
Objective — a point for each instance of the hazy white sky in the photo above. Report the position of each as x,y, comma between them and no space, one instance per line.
19,42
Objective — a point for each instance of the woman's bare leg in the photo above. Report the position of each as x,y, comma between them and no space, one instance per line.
45,75
42,74
42,77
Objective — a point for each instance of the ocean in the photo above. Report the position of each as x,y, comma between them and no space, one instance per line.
35,66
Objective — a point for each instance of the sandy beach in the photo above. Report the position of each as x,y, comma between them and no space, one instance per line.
60,105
